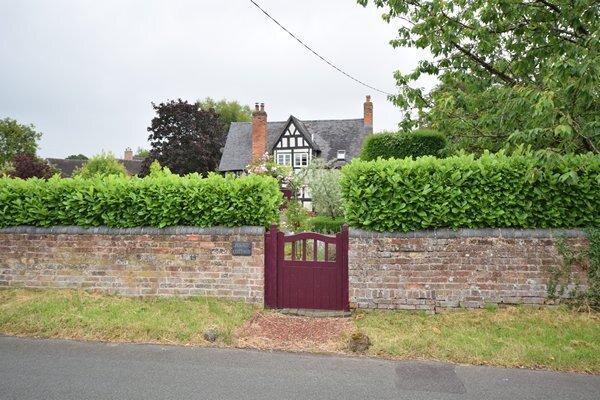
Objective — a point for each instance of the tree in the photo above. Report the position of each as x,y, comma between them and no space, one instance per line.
141,153
229,111
510,72
323,181
16,139
104,164
184,138
77,157
26,166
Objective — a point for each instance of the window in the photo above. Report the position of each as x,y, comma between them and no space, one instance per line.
284,158
300,159
341,154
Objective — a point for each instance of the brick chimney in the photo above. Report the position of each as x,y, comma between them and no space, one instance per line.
128,154
368,116
259,131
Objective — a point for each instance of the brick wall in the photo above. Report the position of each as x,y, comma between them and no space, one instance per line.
177,261
434,270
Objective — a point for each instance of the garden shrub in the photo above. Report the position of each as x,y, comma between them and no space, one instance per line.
27,166
296,216
159,201
326,224
415,144
324,185
101,165
524,190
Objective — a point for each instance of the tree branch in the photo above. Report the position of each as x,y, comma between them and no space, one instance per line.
487,66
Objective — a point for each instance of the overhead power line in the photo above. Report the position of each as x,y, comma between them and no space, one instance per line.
317,54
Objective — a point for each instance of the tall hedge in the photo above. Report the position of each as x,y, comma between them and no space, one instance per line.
415,144
496,190
152,201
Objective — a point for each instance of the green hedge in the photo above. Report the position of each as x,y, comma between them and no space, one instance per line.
325,224
152,201
496,190
400,145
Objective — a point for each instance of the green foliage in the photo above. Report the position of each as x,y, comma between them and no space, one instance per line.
324,185
229,111
141,153
101,165
163,200
16,139
561,276
6,169
325,224
419,143
528,190
593,292
296,217
510,72
77,157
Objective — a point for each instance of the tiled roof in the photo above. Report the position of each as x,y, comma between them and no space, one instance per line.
67,167
328,135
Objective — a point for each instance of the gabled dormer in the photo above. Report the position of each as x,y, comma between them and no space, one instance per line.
295,145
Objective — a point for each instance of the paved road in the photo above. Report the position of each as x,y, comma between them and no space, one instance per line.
58,369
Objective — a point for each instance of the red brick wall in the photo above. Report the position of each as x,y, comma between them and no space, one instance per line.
447,269
135,262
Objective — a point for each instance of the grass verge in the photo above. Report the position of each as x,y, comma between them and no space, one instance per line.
558,339
82,315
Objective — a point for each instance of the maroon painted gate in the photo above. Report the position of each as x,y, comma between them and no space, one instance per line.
306,270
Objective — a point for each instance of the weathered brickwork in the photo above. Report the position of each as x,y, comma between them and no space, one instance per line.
135,262
439,270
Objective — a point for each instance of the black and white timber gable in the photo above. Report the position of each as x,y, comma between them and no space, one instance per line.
296,142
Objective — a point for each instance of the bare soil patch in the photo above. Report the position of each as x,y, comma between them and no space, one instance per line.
270,330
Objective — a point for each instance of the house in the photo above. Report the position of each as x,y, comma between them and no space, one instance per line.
67,167
295,142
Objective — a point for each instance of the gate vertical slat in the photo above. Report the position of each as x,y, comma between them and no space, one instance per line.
271,267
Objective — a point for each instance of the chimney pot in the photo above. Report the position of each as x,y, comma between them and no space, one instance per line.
255,106
262,106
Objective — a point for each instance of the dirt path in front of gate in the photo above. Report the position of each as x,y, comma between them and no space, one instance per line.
274,331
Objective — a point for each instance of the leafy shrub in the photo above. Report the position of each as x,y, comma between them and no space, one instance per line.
101,165
27,166
324,185
296,216
419,143
523,190
325,224
165,200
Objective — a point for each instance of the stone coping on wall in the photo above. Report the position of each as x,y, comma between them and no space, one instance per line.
142,230
477,233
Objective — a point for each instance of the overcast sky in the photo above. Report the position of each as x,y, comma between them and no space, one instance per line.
85,72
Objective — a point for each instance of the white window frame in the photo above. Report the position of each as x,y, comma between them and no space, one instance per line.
300,155
341,154
286,156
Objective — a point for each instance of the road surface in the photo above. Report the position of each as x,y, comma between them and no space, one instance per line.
61,369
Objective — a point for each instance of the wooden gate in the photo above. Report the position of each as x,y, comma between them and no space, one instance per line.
306,270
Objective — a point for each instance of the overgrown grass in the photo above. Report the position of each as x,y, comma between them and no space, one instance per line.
82,315
558,339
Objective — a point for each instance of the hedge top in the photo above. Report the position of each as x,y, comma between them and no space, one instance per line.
424,142
496,190
158,201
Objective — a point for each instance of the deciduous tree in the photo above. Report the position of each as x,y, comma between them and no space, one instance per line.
185,138
16,138
510,71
